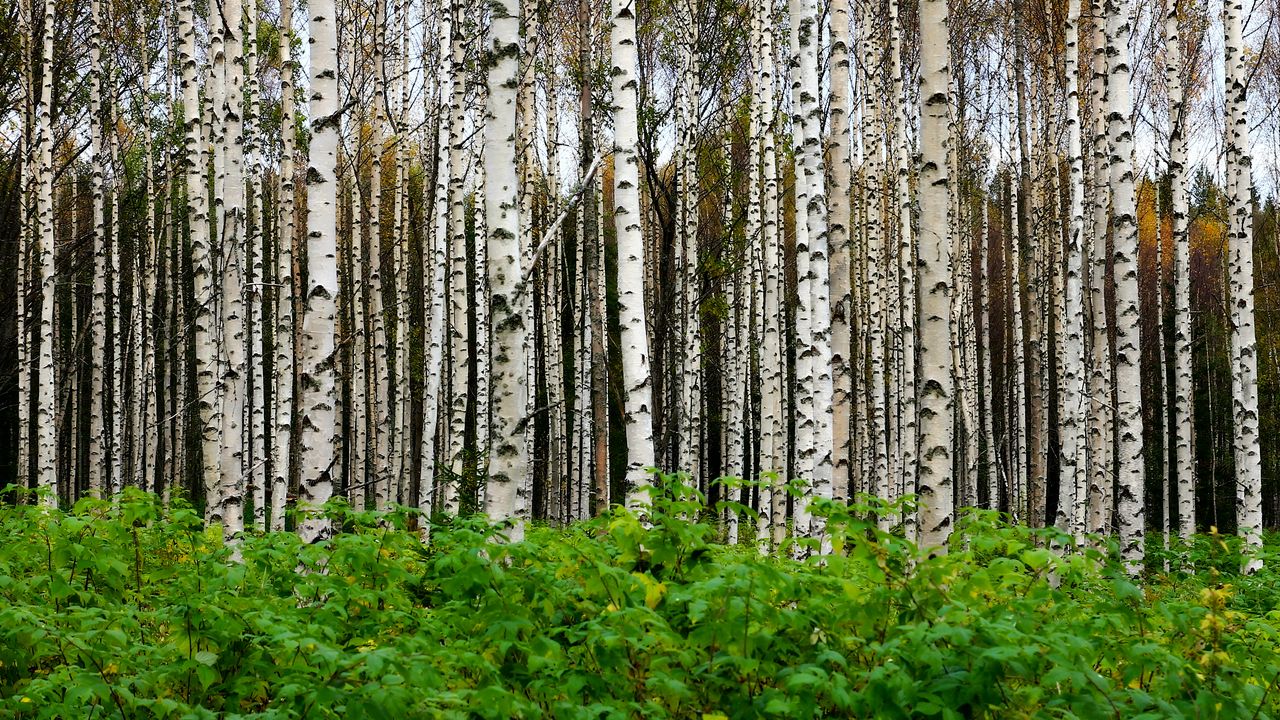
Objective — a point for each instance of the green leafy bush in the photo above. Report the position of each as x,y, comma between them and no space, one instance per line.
124,610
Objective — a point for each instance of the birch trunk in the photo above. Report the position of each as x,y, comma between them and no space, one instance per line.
838,223
1128,381
909,390
934,281
1072,413
98,315
230,228
773,451
458,331
637,401
46,390
1101,372
319,396
509,460
282,459
1244,344
1183,386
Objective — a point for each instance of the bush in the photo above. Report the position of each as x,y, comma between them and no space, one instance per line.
126,610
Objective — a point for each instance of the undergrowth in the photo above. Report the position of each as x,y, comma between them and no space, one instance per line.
126,610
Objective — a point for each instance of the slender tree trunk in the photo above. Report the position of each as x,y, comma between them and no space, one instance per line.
509,457
1072,414
773,428
435,439
1183,386
46,389
637,401
1244,344
987,348
98,446
285,333
1101,372
458,333
937,373
319,392
1128,381
230,229
907,316
839,219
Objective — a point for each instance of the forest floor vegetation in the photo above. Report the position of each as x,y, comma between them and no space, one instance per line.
127,610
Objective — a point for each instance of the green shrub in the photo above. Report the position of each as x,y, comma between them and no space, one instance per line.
126,610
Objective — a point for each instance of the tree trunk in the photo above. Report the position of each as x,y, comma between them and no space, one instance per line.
508,461
1244,344
637,400
936,371
1183,386
1128,379
319,396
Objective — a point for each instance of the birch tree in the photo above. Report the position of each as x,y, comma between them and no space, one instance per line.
509,459
319,393
1183,388
1130,512
934,281
638,402
1072,412
1244,371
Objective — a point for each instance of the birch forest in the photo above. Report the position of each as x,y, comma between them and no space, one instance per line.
598,336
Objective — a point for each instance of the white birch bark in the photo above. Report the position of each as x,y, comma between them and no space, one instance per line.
379,380
1072,410
509,457
1017,416
319,393
934,281
987,347
1244,344
26,206
197,199
230,229
458,333
838,224
255,278
876,281
906,311
98,446
773,450
1130,513
1183,386
1101,372
637,403
285,333
434,441
46,439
